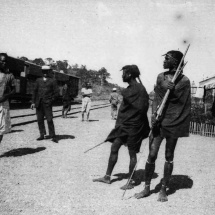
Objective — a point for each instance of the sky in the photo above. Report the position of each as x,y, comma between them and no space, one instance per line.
112,34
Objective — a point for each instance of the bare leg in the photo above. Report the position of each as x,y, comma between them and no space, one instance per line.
1,137
168,167
133,162
67,110
150,167
111,163
88,114
63,112
149,171
82,116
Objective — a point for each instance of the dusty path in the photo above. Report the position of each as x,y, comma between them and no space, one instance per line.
45,178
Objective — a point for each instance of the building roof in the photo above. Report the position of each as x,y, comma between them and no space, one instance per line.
207,79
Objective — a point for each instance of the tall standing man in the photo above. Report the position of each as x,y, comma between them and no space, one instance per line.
174,124
45,92
131,125
114,100
7,89
86,100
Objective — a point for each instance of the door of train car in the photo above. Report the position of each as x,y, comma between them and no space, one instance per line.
73,86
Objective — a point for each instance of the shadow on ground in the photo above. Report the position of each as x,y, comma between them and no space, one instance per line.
65,136
18,130
21,152
139,175
69,117
177,182
92,120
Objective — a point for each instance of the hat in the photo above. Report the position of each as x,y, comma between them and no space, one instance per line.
176,55
46,67
133,69
114,89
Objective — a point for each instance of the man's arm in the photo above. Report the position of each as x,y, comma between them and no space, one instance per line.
12,90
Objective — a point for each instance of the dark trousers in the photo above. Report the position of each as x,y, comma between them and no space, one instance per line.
45,111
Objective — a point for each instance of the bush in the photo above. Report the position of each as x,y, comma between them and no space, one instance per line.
198,114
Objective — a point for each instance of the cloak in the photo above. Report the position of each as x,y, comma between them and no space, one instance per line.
132,124
175,121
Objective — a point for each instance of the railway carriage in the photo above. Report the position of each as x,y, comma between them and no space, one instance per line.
26,73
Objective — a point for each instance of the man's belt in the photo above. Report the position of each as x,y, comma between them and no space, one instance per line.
86,96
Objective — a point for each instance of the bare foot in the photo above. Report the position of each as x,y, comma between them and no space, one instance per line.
131,185
143,194
162,197
105,179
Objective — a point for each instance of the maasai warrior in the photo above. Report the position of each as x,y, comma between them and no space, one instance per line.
66,100
86,100
132,124
7,88
114,100
174,123
45,93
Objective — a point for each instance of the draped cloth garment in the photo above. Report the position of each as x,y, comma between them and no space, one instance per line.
132,123
176,117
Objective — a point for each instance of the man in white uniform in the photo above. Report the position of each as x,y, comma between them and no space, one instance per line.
86,100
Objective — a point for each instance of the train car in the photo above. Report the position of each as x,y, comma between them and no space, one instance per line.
26,73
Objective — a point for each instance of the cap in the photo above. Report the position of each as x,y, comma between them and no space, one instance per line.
114,89
46,67
176,55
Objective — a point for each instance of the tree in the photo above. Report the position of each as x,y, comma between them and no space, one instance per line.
49,61
24,58
103,75
75,66
62,65
39,61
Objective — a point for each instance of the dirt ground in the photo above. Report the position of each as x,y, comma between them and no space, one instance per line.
46,178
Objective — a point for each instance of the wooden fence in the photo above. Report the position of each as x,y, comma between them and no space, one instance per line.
202,129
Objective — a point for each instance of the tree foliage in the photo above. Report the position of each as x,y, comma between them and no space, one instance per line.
99,78
39,61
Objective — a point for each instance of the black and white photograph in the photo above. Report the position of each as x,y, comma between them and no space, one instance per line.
107,107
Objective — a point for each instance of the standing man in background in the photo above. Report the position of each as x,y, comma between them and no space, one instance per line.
45,92
114,100
86,101
7,88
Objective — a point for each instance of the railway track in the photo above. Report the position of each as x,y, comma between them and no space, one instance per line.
25,119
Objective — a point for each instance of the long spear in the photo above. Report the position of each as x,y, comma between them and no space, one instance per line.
94,147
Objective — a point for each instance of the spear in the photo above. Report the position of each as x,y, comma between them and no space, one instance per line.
94,147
